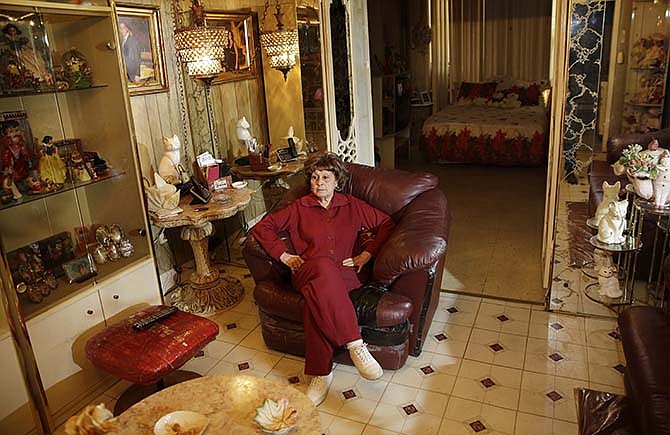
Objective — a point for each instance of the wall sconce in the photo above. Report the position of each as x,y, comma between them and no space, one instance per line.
281,45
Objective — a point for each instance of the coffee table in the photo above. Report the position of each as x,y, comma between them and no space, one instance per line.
229,401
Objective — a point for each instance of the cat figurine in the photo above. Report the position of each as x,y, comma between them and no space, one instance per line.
662,181
610,194
609,283
612,225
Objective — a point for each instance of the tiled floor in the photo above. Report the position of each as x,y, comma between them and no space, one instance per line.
496,229
487,367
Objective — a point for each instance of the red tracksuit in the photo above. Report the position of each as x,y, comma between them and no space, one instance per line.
323,238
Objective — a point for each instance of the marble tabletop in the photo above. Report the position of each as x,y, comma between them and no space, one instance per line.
223,204
229,401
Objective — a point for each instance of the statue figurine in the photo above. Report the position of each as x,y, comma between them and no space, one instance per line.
15,155
610,194
609,283
9,190
169,168
612,225
662,181
78,167
51,165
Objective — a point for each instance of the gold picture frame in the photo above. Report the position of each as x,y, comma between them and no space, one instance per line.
243,56
141,47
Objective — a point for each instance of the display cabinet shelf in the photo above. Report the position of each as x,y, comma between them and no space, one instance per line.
66,188
12,94
68,290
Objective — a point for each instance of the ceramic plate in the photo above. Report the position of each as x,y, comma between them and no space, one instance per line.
181,423
240,184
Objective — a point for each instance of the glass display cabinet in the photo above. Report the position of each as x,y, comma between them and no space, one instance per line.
646,67
73,229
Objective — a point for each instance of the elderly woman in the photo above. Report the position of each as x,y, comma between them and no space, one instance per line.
323,227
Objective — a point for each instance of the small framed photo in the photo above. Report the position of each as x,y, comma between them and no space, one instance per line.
80,269
426,97
242,54
142,49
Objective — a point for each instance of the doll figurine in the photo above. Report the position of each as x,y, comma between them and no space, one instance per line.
9,190
51,165
78,167
15,155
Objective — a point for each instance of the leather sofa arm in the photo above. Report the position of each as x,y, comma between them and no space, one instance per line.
616,144
418,240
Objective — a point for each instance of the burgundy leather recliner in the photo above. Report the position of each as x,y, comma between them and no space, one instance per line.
394,323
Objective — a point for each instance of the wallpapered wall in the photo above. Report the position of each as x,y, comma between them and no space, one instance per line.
166,113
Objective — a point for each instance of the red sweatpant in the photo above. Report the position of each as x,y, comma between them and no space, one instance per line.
329,316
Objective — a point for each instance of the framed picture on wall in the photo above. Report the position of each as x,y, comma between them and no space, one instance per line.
142,49
240,62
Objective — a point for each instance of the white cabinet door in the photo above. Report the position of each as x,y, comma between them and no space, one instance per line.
15,414
58,338
139,287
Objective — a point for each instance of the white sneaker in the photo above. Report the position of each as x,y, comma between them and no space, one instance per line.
318,388
366,364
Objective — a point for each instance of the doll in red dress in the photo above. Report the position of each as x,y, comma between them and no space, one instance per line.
15,156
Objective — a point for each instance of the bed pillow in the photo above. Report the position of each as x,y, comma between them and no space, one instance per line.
474,92
528,93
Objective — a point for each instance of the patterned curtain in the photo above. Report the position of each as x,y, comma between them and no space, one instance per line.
476,40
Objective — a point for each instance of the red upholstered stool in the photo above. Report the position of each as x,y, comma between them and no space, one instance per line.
150,358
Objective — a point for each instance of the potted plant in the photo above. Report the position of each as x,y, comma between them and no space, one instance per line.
640,166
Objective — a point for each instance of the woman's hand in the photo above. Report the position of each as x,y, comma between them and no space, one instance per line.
358,261
292,261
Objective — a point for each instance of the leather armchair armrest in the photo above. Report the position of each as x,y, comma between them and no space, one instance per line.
261,265
418,240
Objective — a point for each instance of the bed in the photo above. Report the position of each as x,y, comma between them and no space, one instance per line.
490,124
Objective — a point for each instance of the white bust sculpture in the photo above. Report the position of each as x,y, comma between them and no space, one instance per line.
169,166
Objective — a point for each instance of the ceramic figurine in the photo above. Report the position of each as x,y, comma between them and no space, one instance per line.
15,155
170,168
662,181
78,167
77,70
609,284
610,229
35,186
243,129
9,189
610,194
25,66
51,165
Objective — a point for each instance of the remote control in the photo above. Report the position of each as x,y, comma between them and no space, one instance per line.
149,320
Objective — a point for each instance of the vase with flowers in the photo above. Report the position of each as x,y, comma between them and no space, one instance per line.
640,166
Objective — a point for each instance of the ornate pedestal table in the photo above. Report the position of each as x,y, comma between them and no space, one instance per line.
207,291
228,401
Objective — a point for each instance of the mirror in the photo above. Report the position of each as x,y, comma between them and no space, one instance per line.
309,33
340,46
616,87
